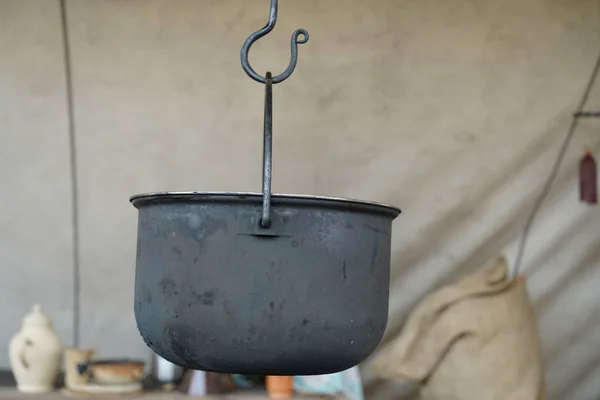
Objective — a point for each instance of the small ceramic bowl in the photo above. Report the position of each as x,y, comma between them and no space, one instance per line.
113,372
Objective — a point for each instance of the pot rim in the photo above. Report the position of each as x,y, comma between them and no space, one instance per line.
156,197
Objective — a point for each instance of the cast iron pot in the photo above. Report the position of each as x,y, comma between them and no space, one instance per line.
215,291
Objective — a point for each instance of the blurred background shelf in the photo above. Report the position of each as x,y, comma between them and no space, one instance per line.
12,394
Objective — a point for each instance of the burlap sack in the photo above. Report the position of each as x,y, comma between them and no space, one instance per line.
476,339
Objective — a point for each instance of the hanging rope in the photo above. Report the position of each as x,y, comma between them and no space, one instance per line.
73,160
555,168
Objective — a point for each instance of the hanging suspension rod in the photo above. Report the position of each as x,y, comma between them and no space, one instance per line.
299,36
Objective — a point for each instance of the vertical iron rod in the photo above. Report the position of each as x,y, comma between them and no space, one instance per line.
265,221
299,36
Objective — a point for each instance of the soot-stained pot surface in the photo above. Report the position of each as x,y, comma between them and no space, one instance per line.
215,291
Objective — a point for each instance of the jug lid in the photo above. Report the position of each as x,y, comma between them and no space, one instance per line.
36,317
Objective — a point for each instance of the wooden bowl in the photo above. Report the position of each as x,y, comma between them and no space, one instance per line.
112,372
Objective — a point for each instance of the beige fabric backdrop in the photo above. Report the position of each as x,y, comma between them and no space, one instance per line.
451,110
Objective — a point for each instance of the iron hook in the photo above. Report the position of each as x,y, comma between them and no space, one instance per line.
295,40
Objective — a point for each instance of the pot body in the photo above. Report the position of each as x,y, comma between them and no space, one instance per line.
215,291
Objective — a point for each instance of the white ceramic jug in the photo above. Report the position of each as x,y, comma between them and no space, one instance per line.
35,353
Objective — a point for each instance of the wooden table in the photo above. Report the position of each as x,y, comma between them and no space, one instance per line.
12,394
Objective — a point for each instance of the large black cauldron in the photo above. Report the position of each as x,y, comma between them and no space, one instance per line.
216,291
262,284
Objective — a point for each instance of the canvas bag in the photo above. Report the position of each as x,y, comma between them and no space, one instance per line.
476,339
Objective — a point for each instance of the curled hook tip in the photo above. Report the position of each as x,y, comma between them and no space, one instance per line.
303,33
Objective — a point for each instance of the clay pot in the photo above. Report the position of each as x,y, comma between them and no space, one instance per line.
280,387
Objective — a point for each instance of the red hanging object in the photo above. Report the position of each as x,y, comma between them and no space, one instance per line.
588,192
